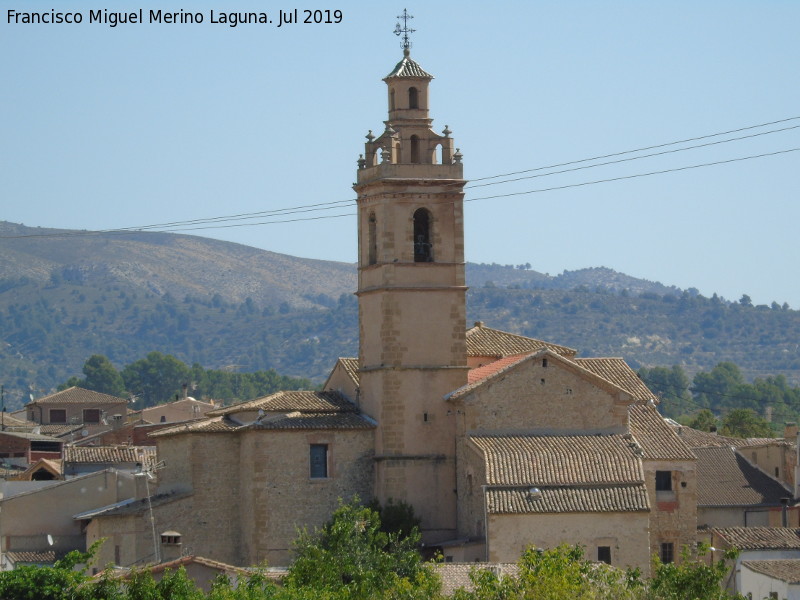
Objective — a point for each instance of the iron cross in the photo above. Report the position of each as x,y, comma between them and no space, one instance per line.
404,31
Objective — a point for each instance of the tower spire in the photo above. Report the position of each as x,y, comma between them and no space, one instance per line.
404,31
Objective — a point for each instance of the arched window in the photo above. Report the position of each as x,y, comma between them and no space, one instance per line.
372,240
423,250
413,98
391,99
415,149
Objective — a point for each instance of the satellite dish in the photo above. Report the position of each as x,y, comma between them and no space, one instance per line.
85,432
49,539
31,397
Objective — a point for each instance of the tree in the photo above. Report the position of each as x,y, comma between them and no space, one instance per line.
102,376
351,556
704,421
671,385
719,388
744,423
156,378
691,578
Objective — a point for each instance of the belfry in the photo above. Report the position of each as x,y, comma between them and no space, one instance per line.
411,291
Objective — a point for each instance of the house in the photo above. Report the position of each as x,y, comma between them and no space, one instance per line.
770,553
497,440
77,409
23,449
37,516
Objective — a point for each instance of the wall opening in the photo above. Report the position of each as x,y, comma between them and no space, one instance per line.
423,251
372,240
413,97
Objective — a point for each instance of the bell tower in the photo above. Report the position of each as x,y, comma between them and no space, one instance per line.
411,293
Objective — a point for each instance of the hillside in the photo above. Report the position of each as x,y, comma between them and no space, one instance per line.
228,306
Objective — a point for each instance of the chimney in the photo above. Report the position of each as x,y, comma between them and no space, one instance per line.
185,391
171,546
790,432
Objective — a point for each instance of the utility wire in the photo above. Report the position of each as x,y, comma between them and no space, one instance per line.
326,206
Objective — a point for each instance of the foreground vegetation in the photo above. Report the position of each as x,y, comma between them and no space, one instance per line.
354,557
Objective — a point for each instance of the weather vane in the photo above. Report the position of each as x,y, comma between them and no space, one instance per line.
404,31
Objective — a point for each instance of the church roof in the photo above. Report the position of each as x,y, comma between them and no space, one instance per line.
520,460
616,498
485,341
786,569
657,439
304,401
617,371
408,68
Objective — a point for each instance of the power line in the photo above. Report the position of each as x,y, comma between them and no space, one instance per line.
216,222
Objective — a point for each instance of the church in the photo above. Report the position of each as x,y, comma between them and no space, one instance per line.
498,441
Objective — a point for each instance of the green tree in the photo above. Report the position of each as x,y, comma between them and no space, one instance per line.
744,423
671,385
719,388
351,557
691,578
704,421
155,378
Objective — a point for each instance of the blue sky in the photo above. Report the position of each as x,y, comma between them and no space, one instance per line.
142,124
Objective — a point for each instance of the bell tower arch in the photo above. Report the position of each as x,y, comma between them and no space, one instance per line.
411,293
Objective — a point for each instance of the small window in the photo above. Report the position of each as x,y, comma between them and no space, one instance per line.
604,554
423,250
372,240
319,461
91,415
544,363
413,98
663,481
58,415
667,553
777,472
568,391
415,149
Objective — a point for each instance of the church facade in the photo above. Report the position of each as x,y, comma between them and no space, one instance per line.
498,441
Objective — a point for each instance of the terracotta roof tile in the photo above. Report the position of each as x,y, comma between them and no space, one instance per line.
38,557
485,341
303,401
574,499
351,367
455,576
786,569
694,438
760,538
479,373
298,420
655,436
408,68
617,371
76,395
217,424
557,460
109,454
725,478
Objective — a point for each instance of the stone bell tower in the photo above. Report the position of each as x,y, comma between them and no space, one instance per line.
411,292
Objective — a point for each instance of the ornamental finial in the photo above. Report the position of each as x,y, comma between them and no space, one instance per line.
404,31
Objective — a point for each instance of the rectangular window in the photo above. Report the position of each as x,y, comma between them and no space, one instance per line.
663,481
604,554
58,415
319,461
667,552
91,415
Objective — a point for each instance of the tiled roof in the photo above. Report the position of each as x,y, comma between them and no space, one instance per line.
760,538
617,371
15,423
59,430
298,420
219,424
695,438
199,560
132,506
40,557
479,373
657,439
30,436
408,68
485,341
350,366
455,576
555,460
303,401
786,569
725,478
573,499
76,395
109,454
